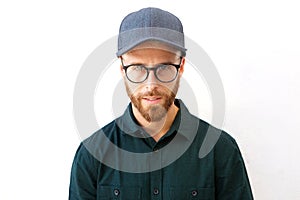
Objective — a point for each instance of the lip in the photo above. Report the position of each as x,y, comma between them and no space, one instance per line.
152,99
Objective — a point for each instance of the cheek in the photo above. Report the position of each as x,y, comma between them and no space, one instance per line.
172,88
133,90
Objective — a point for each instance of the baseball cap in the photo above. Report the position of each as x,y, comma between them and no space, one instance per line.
150,24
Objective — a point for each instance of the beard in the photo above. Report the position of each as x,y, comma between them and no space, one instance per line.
154,113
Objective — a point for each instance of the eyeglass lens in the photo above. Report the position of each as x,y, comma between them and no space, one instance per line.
163,72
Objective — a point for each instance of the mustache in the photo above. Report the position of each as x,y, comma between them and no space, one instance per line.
152,93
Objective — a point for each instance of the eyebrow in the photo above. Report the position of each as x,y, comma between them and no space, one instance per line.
164,63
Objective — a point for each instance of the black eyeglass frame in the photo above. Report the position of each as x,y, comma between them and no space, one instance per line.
154,69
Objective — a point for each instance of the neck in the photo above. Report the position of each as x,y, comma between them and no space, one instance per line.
159,128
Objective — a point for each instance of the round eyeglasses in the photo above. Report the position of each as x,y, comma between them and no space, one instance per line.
164,72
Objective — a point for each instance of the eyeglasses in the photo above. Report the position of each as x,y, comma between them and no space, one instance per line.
164,72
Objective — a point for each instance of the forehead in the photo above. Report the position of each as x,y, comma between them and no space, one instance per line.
152,52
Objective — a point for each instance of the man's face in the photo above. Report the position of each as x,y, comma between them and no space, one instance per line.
152,98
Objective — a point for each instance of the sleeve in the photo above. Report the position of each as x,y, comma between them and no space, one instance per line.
232,182
83,181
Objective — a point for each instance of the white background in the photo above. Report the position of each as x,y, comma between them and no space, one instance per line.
254,45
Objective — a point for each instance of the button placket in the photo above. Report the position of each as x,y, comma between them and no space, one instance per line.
156,175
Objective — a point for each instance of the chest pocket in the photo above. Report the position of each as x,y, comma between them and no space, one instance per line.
122,193
179,193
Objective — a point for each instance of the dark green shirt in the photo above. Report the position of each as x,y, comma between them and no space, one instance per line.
121,161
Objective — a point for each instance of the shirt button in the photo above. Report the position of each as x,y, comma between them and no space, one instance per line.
194,193
116,192
155,191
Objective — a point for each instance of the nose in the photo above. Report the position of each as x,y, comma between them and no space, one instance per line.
151,81
151,77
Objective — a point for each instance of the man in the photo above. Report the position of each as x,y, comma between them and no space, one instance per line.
152,150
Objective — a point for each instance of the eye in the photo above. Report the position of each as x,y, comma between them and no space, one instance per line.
137,68
164,67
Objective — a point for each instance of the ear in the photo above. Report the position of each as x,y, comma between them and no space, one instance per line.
181,69
121,67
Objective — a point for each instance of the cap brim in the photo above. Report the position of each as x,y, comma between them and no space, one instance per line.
173,46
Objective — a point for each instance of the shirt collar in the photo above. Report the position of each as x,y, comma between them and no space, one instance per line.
182,122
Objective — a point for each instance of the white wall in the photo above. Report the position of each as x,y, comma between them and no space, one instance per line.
254,45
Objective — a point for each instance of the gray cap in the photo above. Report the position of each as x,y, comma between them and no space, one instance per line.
150,24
